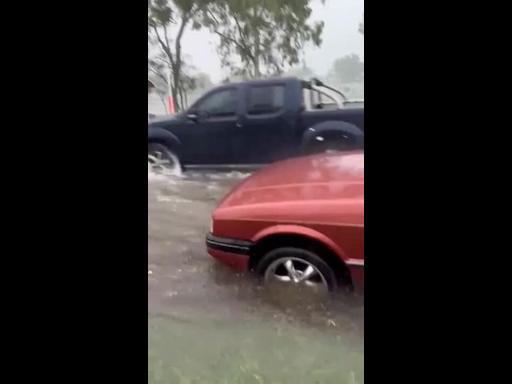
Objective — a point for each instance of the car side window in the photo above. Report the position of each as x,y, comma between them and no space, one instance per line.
265,99
219,104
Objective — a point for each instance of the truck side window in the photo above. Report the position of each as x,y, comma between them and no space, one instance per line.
219,104
265,99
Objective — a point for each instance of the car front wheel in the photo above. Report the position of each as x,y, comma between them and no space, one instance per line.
297,267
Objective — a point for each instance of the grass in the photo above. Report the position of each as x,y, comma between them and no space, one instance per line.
207,352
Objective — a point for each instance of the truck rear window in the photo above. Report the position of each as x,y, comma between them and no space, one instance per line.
264,99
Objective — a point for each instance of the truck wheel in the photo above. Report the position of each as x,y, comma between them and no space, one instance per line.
162,160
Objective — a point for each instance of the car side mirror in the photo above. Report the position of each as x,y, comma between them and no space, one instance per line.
193,116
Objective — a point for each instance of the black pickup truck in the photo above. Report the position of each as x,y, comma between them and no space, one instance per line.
247,124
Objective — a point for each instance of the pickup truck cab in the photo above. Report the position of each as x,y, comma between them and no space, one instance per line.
248,124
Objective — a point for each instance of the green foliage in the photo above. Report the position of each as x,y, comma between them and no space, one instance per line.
167,21
260,37
159,13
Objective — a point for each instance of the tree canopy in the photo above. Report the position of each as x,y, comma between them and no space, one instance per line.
261,37
347,69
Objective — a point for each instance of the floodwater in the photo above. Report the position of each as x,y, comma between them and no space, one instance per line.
208,324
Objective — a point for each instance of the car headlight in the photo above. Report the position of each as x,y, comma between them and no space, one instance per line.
211,225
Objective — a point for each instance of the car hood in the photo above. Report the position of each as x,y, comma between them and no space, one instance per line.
327,177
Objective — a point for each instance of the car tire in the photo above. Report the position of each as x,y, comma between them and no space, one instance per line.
161,159
274,262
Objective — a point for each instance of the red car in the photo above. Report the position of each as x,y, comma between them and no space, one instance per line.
299,221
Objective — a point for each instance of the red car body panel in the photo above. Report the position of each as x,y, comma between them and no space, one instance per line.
240,263
319,197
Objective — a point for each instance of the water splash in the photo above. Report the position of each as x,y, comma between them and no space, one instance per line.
163,174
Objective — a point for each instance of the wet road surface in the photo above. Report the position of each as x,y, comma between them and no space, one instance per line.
209,324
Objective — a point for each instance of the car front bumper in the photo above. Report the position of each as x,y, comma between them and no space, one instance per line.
232,252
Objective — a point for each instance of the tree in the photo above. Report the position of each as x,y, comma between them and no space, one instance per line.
193,83
261,36
157,67
347,69
164,16
195,86
157,86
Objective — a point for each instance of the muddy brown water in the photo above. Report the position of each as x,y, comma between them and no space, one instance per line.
184,279
187,286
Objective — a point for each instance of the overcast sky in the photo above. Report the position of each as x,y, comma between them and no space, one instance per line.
340,37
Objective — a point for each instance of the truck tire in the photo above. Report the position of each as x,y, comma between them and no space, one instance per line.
162,160
333,135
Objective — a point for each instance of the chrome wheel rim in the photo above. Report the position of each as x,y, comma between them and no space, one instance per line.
295,271
159,161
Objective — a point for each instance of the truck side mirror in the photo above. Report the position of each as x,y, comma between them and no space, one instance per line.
193,116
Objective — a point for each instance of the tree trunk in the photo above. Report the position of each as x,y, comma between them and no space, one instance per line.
256,63
256,54
175,60
181,98
176,85
177,67
174,90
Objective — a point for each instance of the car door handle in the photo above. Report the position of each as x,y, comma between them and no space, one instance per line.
238,124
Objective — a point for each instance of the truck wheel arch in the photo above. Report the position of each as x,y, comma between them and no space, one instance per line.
166,138
333,130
